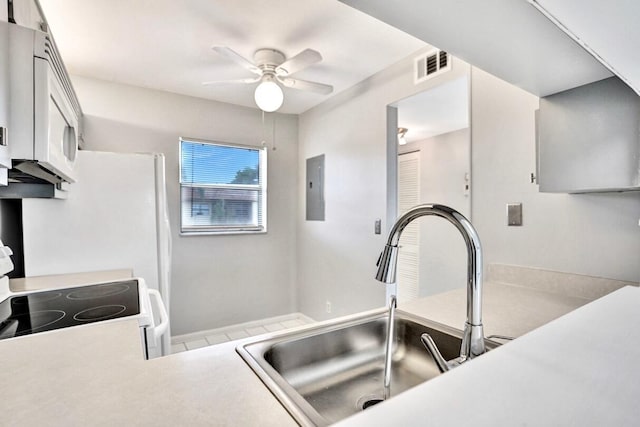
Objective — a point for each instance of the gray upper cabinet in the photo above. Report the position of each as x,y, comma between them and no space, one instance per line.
589,139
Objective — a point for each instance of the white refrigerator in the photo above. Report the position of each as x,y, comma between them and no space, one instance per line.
115,217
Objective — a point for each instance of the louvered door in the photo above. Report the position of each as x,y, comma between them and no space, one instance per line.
409,253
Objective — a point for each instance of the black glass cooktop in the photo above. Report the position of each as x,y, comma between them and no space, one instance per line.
61,308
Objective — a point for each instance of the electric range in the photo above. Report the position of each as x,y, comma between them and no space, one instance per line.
35,312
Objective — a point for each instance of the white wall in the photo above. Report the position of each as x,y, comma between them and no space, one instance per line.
216,280
337,257
444,161
595,234
299,264
592,234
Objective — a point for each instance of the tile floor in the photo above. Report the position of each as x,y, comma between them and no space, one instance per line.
234,332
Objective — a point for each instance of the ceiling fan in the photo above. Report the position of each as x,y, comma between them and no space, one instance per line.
272,67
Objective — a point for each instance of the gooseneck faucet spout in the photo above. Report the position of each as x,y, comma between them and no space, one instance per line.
388,348
473,339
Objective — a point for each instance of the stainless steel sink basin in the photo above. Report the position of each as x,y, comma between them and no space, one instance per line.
324,374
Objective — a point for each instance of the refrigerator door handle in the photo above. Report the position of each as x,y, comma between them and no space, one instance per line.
161,328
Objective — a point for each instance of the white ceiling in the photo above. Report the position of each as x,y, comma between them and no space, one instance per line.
166,45
609,29
507,38
442,109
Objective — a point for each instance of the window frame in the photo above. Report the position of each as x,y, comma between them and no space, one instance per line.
216,230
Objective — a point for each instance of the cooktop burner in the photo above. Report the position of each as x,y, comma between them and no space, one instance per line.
99,291
61,308
99,313
41,297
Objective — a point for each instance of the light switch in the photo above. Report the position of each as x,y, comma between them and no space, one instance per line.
377,227
514,214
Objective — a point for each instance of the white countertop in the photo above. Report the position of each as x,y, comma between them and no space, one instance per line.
568,370
95,375
67,280
579,370
506,309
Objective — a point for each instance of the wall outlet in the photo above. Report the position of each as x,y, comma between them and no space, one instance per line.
328,306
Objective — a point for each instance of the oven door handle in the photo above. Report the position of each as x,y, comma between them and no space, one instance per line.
161,328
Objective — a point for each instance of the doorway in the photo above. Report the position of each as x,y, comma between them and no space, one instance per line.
433,166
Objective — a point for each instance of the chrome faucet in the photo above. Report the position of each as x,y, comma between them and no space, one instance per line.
388,348
473,338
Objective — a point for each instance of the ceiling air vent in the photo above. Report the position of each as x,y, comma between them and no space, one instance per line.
431,64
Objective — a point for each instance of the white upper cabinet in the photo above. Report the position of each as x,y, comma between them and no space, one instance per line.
5,161
27,13
510,39
4,74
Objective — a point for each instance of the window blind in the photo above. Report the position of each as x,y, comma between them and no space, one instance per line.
222,188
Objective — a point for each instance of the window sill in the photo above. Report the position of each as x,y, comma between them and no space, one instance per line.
220,233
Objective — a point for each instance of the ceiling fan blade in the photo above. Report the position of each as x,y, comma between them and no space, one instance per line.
237,58
306,85
298,62
234,81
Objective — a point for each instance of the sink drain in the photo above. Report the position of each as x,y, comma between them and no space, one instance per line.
370,403
365,402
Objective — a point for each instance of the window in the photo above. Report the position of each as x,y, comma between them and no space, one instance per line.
222,188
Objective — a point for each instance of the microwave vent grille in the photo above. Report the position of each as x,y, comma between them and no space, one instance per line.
53,57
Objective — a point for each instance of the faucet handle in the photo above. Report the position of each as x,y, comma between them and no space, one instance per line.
431,346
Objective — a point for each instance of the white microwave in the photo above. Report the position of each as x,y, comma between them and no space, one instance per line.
45,115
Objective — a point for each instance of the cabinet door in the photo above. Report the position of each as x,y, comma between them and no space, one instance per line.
4,74
4,100
589,140
26,13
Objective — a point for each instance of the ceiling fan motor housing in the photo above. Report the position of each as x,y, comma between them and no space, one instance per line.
268,59
274,69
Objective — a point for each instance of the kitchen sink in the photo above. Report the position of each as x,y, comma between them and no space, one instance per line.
328,372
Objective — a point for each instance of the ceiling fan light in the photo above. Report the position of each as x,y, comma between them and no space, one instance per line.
269,96
401,136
